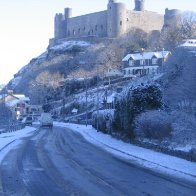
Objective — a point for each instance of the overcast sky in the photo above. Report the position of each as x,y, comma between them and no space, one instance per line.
27,25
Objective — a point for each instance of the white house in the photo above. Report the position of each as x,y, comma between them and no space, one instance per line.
18,103
144,63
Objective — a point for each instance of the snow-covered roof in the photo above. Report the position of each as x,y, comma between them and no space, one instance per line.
146,55
74,110
21,97
110,98
114,72
189,43
12,103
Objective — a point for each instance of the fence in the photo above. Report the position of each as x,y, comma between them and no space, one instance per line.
11,127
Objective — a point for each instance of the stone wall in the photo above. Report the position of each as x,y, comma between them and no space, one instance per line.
146,20
94,24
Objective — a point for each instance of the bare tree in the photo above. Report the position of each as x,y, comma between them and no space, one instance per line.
177,32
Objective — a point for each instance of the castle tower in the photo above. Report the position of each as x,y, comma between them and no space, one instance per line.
116,19
59,26
60,23
139,5
67,15
172,17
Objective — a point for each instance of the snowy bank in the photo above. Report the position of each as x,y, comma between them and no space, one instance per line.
150,159
10,140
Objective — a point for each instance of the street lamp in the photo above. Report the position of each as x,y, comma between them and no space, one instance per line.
162,59
142,53
86,99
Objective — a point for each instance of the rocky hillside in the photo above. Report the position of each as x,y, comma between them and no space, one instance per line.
67,60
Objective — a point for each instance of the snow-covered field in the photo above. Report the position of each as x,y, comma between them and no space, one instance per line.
10,140
156,161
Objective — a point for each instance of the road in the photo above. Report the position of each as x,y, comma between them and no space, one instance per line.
58,161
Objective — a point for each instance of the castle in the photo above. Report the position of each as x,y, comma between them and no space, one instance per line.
113,22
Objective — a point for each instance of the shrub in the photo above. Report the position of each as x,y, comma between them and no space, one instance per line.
184,127
105,118
153,124
137,100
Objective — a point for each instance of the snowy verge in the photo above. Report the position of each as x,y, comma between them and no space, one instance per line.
156,161
10,140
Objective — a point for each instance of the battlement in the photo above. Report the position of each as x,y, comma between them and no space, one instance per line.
139,5
113,22
172,17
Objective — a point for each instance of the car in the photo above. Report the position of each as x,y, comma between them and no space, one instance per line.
28,120
46,120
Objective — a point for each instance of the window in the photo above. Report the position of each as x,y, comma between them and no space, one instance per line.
74,32
127,19
79,31
101,27
84,29
154,61
142,61
120,23
95,27
131,63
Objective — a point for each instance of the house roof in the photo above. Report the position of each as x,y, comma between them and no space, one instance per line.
15,102
146,55
21,97
12,103
74,110
189,43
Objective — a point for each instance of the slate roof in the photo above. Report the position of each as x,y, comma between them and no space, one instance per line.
146,55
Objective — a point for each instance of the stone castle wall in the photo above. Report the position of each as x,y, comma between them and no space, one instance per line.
94,24
146,20
113,22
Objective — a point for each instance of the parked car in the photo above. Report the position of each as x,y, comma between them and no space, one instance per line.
28,120
46,120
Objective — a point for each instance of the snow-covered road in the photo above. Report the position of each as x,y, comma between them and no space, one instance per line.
61,161
10,140
156,161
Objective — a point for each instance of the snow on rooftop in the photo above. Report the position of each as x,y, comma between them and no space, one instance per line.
189,43
21,97
12,103
146,55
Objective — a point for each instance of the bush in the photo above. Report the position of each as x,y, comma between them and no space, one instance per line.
137,100
105,118
184,127
153,124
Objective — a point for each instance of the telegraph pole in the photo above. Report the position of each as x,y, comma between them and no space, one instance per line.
86,100
97,106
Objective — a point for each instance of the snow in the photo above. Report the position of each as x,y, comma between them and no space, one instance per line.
12,103
146,55
21,97
15,81
189,43
150,159
9,141
69,44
